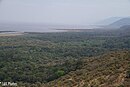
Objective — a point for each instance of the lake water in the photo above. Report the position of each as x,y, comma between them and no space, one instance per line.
29,28
38,27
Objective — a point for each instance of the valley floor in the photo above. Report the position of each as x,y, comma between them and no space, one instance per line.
66,59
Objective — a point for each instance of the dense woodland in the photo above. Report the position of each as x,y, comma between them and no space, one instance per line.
35,58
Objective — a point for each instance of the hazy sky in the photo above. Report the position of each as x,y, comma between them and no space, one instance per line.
62,11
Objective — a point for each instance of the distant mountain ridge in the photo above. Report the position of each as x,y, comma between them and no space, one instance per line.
120,23
125,27
108,21
114,22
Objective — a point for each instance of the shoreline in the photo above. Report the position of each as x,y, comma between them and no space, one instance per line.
5,34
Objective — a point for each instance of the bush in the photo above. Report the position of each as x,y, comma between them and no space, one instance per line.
128,74
60,73
120,86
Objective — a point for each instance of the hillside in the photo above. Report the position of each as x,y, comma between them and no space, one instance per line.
108,21
109,70
125,27
120,23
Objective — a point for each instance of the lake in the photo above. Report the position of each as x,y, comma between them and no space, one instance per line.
28,27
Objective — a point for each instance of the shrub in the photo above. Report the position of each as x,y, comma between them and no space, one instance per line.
60,73
128,74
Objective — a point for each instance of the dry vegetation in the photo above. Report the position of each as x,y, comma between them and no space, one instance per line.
108,70
10,34
67,59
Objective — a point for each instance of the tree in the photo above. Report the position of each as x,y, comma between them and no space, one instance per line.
60,73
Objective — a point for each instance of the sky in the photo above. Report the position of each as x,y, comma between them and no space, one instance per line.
71,12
